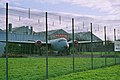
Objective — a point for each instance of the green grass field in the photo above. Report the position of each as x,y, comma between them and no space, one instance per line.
108,73
35,68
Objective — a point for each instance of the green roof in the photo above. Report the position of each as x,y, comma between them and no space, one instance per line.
1,30
87,36
82,36
53,31
18,28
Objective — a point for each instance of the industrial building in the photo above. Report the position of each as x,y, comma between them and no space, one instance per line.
81,36
53,34
21,30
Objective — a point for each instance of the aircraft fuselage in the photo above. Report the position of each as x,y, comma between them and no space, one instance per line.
60,44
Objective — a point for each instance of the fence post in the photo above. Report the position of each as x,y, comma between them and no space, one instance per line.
6,41
105,45
114,43
119,58
91,47
73,42
46,48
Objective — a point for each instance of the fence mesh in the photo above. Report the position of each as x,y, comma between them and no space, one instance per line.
28,61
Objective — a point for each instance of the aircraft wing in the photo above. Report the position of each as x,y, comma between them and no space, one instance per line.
18,42
24,42
80,42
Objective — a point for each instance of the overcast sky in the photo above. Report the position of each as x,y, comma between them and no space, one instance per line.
108,9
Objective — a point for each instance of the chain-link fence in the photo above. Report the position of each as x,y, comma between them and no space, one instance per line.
27,61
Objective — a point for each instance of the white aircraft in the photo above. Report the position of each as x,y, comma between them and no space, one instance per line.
59,44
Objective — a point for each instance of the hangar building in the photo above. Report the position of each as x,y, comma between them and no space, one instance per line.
23,33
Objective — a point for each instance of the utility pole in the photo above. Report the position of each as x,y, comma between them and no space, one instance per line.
19,18
59,19
29,13
83,25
